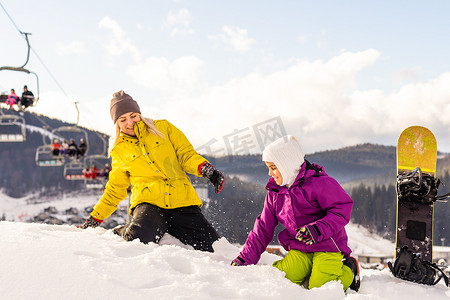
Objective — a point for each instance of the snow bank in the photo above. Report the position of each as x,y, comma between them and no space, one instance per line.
363,242
63,262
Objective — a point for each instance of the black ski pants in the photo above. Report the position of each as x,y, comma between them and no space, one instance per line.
149,223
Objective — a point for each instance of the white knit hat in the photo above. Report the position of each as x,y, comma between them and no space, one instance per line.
287,154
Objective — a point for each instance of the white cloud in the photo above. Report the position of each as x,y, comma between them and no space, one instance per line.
318,101
179,22
405,75
74,47
181,17
159,73
235,37
321,43
94,113
119,43
310,96
302,39
61,106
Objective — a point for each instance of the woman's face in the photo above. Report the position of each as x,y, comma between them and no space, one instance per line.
126,122
274,172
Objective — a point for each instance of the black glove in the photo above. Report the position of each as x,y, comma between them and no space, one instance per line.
91,222
215,176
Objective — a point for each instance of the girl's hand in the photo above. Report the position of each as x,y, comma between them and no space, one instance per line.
304,235
238,261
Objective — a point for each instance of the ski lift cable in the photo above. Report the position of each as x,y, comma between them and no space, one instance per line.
9,17
25,35
22,33
41,61
38,57
57,83
50,73
78,113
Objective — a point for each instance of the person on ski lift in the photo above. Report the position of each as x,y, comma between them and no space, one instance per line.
56,146
154,156
314,209
27,97
73,149
107,170
101,173
82,148
94,172
87,173
64,148
12,98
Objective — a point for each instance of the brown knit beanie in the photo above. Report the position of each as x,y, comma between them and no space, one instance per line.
122,103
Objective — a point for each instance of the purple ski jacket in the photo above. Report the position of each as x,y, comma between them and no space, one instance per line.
314,200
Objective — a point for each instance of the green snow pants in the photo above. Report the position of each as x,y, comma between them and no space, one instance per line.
320,267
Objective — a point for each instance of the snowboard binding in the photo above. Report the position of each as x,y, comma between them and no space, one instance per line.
418,186
409,266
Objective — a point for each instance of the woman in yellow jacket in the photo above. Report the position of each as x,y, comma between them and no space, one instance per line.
154,156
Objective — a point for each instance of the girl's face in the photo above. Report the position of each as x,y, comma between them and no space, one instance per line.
274,172
126,122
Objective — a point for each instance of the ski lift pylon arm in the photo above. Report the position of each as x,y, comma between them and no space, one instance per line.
21,68
78,113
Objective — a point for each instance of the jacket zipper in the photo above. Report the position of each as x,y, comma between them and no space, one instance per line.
335,244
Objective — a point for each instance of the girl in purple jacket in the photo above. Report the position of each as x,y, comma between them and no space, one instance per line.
314,209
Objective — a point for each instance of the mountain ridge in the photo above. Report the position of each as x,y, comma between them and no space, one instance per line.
349,165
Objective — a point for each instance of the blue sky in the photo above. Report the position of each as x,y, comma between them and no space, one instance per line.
336,73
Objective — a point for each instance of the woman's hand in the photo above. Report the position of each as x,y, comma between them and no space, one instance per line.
215,176
90,222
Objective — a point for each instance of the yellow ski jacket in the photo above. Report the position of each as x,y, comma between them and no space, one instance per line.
155,167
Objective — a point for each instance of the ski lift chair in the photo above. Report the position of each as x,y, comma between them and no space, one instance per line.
74,170
99,161
94,184
71,132
22,69
44,157
29,99
12,128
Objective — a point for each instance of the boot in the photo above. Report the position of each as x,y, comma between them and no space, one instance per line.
352,263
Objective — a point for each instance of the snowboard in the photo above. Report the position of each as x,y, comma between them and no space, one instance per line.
416,191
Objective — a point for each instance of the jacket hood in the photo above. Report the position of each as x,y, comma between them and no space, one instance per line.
307,170
288,155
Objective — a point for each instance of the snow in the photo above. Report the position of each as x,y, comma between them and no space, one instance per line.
40,261
363,242
42,131
23,209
